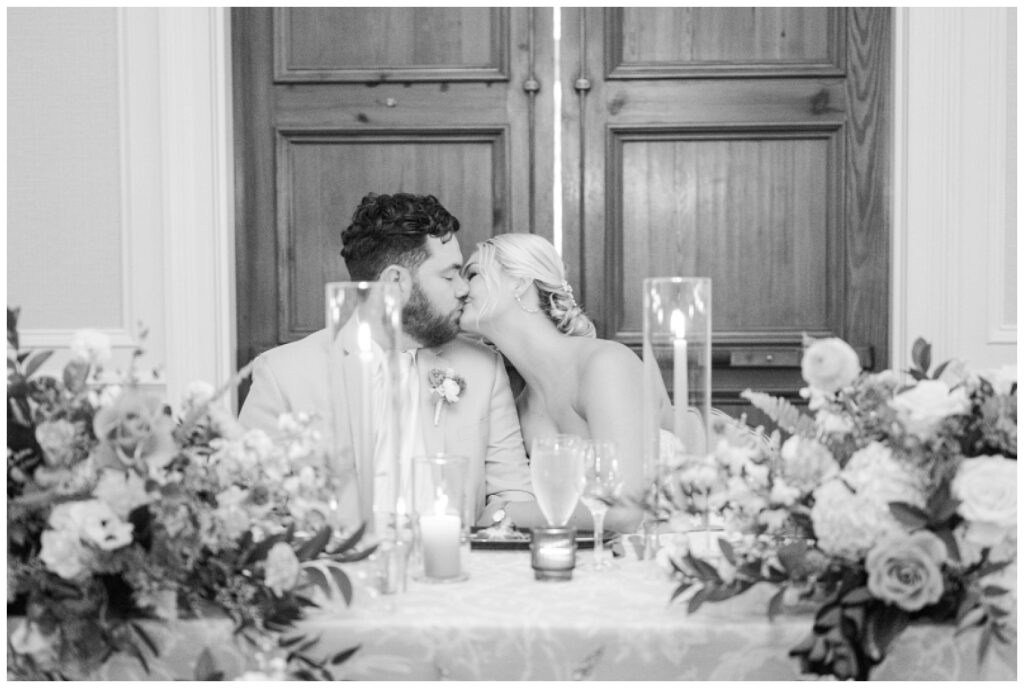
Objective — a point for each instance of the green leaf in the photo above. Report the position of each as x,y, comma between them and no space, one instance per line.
344,655
792,556
983,642
857,596
946,535
355,556
697,600
38,359
141,632
318,579
991,567
205,666
993,591
312,548
704,570
940,369
775,604
683,587
75,374
727,551
350,541
288,642
344,584
921,355
909,515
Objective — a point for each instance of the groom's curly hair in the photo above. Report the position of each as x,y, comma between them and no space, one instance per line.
389,230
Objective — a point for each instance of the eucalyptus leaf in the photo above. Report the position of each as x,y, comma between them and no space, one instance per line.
344,584
680,589
312,548
344,655
697,600
727,550
921,354
317,578
909,515
349,542
775,604
993,590
37,360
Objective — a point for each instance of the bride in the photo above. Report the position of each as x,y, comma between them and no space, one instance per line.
574,383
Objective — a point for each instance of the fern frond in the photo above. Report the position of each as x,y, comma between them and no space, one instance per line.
788,417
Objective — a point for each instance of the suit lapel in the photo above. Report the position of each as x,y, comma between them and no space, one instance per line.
433,435
356,415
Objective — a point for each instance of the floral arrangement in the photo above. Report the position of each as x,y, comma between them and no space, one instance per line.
889,503
119,512
447,385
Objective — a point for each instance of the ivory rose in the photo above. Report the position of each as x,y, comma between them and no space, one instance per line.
134,429
829,364
906,570
987,489
124,491
923,407
282,568
57,440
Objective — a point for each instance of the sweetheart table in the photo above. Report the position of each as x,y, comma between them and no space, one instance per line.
501,624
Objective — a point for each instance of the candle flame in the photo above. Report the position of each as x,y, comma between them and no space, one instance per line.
400,505
364,338
678,324
441,504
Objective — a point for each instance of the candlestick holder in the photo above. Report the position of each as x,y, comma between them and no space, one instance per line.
677,380
364,331
441,525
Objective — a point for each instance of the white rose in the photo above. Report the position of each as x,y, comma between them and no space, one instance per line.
734,458
90,346
450,391
124,491
63,553
987,489
922,407
829,364
757,475
806,463
906,570
833,423
283,568
874,473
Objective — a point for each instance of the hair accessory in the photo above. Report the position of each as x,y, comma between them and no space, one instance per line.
523,306
567,288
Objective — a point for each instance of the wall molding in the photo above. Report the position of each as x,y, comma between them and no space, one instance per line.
198,194
950,191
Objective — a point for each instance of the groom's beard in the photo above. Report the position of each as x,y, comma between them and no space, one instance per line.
423,322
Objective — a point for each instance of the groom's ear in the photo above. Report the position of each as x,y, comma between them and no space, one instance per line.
400,275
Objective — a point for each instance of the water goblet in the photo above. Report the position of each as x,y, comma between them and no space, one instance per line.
556,471
603,485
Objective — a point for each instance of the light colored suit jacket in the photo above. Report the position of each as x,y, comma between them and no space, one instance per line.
482,425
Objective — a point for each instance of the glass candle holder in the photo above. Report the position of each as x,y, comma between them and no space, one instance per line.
441,526
676,360
364,329
553,553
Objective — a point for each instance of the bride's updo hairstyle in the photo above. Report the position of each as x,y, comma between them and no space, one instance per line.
534,258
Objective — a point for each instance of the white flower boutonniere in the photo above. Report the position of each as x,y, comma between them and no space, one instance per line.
448,386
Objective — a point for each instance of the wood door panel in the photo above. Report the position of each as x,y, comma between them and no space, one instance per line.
376,44
670,42
323,175
749,210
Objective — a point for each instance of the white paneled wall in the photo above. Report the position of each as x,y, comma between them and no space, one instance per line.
120,186
120,189
954,224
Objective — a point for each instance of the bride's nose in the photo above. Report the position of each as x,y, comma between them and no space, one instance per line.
461,287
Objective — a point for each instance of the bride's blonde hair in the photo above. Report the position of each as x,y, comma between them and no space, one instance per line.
534,258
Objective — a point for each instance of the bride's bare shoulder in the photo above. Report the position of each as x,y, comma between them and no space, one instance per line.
602,354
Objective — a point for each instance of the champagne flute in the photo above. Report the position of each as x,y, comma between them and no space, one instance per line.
603,484
556,471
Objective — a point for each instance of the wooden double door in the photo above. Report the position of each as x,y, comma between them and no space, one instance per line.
750,145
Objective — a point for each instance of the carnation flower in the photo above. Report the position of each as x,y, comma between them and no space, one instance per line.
806,463
987,489
63,553
283,568
906,570
90,346
848,524
829,364
923,407
102,527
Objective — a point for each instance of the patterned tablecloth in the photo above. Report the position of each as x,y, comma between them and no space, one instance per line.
501,624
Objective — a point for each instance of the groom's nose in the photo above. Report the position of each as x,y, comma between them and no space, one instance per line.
461,288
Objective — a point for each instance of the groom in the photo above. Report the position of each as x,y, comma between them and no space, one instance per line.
410,240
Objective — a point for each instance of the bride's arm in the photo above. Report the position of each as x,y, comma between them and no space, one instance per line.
611,401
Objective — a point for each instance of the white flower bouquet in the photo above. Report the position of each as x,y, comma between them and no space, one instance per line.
891,503
117,512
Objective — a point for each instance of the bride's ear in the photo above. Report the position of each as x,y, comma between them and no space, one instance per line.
400,275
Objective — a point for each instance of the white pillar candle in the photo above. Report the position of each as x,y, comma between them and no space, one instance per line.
440,534
679,375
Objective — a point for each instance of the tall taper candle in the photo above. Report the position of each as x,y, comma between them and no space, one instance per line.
680,390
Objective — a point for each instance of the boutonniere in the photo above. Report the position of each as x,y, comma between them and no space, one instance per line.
447,385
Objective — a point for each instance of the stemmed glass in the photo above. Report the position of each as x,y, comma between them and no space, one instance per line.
556,471
603,484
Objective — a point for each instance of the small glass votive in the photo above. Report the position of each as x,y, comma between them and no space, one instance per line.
441,526
553,553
